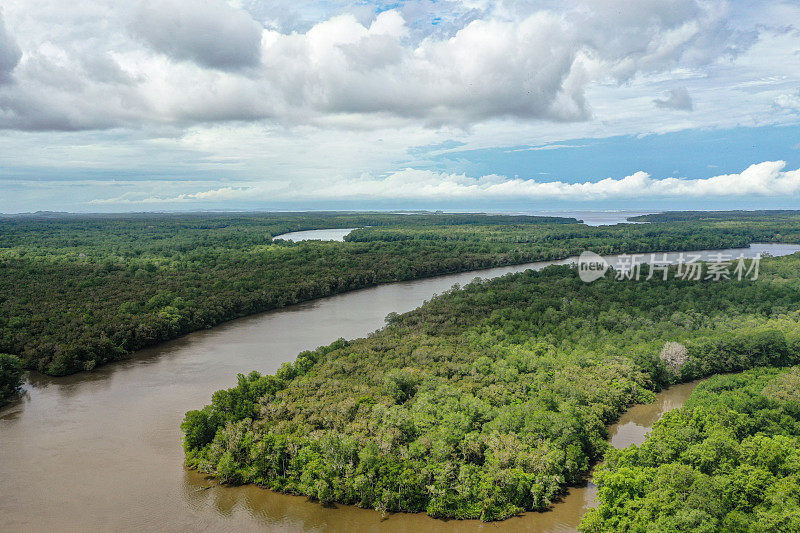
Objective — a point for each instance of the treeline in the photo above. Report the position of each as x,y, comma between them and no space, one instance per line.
675,216
728,461
135,234
490,400
65,316
80,291
663,232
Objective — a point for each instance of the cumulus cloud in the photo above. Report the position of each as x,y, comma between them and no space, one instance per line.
209,32
222,193
488,69
763,179
789,101
677,98
766,179
195,61
10,53
533,66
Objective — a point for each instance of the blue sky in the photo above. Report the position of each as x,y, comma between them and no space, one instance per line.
465,104
698,153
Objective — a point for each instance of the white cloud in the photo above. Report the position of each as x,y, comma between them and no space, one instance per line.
763,179
677,98
545,147
331,90
194,61
209,32
789,101
222,193
10,53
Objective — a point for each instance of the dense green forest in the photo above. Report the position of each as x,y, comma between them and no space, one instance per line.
728,461
662,232
77,291
492,399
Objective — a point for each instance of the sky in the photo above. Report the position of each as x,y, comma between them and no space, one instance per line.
511,105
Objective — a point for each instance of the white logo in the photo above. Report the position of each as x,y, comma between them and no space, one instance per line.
591,266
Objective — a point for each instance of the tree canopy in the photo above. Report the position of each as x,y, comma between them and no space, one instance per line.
488,400
729,460
80,291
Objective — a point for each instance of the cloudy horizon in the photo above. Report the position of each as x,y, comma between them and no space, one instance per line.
464,104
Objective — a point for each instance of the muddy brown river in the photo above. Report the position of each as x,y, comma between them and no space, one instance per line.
101,451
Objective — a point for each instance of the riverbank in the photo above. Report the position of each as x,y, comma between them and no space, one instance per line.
489,401
729,460
563,517
101,450
79,292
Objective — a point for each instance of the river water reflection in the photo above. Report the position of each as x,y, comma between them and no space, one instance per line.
101,451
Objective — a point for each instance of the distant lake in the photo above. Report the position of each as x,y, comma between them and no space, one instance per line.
590,218
316,235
